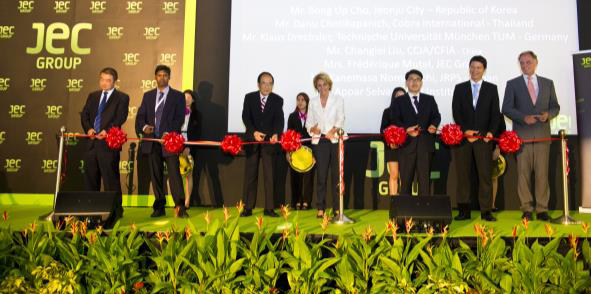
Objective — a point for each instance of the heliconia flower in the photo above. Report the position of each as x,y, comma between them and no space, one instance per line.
92,238
478,229
325,222
167,235
83,227
491,233
240,206
226,214
285,234
188,232
33,226
573,240
484,240
430,231
138,285
159,236
5,215
525,222
367,233
408,225
549,230
514,231
445,230
259,222
59,226
133,227
429,249
74,228
585,227
284,211
207,217
99,230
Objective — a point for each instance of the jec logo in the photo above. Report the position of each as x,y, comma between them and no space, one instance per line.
17,111
168,58
132,112
6,32
125,166
34,138
25,6
131,58
12,165
2,136
586,62
148,85
151,33
54,111
75,85
98,7
170,7
58,31
4,84
49,165
70,139
134,7
61,6
38,85
114,33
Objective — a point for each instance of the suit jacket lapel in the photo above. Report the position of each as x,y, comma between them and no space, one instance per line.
110,100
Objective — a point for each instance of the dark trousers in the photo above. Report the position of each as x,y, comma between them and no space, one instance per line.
302,187
251,175
465,155
157,177
105,165
327,156
419,162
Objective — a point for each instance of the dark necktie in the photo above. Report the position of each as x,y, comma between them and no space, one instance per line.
416,102
263,102
159,110
97,119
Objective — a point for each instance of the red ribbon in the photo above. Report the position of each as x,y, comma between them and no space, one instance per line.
291,141
173,142
232,144
394,135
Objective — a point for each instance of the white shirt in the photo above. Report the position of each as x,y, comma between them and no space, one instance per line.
534,80
109,92
332,115
185,126
166,90
412,100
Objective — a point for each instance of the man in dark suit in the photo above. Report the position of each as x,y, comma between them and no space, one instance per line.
418,114
262,116
475,107
103,110
530,102
162,111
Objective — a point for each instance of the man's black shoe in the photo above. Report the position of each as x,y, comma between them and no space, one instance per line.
543,216
270,213
158,212
487,216
464,215
246,213
182,214
527,215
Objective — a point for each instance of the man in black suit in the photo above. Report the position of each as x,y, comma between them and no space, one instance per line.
418,114
103,110
475,107
162,111
262,116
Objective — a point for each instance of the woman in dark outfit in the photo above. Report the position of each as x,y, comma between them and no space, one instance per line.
391,152
301,183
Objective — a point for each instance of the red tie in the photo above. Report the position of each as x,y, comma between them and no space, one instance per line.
531,90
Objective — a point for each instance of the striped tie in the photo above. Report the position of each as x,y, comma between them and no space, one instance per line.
263,102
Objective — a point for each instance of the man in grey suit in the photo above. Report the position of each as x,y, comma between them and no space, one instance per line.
530,102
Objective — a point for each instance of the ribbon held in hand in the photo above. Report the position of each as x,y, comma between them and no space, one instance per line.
231,144
394,135
509,142
451,134
116,138
291,141
173,142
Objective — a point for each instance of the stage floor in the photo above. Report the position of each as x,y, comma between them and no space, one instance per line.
21,216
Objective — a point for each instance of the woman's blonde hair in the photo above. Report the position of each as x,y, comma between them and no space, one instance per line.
324,77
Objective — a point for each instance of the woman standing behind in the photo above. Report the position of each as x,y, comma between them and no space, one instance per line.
190,131
301,183
326,115
391,151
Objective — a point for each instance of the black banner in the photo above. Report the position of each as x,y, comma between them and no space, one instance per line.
52,52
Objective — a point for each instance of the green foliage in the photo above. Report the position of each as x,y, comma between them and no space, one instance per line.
218,259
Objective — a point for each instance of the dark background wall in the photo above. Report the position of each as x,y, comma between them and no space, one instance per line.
221,175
